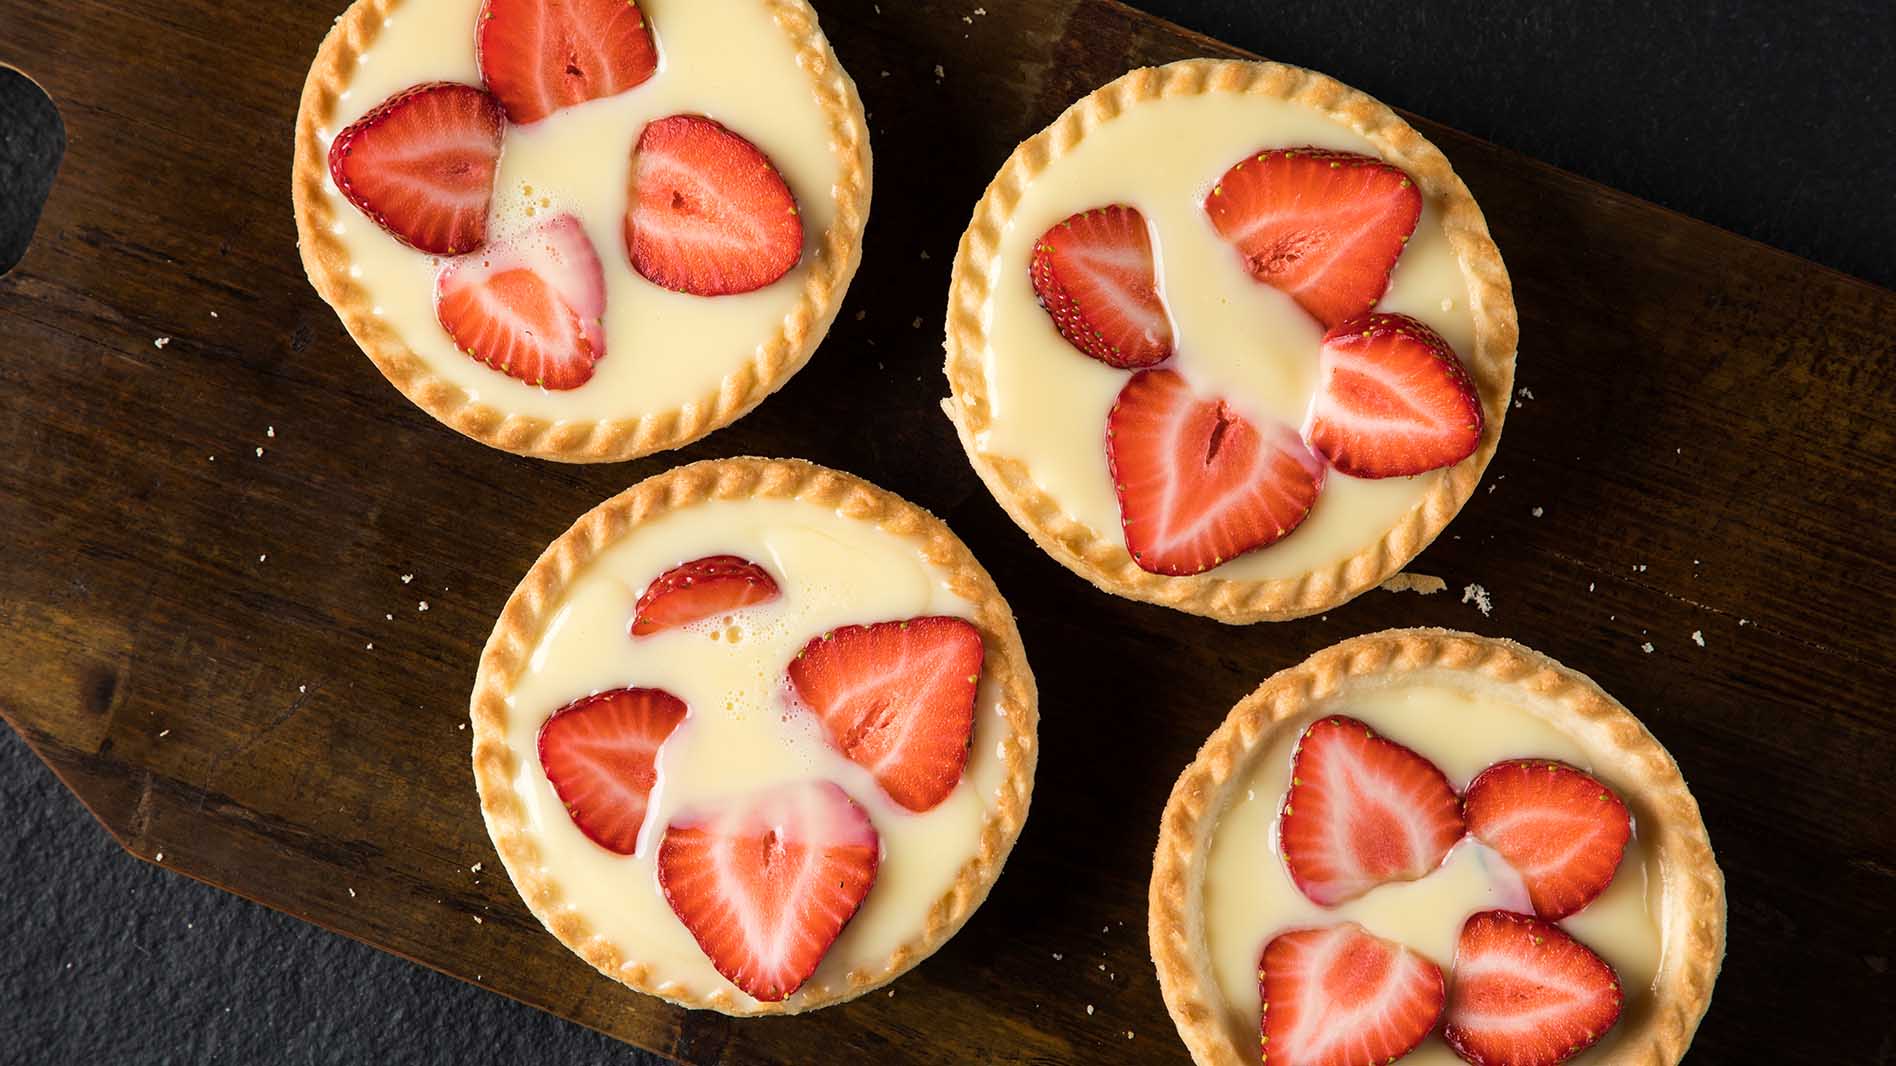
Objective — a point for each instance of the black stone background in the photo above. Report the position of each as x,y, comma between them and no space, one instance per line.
1771,119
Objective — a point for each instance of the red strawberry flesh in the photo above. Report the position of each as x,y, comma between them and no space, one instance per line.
529,306
601,753
1556,825
1340,996
422,165
539,56
707,213
896,698
765,882
702,588
1324,227
1199,484
1095,276
1362,810
1392,399
1526,993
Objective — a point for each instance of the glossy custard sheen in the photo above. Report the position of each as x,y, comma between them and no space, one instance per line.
1462,726
726,59
741,734
1236,337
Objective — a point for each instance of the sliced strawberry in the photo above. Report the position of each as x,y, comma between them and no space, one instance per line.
765,882
1340,996
1324,227
529,306
700,589
422,165
898,699
539,56
1391,399
1362,810
1199,485
600,753
1095,276
1559,827
1526,993
707,213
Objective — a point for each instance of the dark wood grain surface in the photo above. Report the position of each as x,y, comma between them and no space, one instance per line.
1706,450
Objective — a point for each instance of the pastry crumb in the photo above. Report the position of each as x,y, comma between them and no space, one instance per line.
1478,596
406,578
160,342
386,617
477,920
259,453
213,314
262,557
1420,584
422,606
940,73
1646,647
370,646
860,315
1057,956
476,868
160,857
917,324
1089,1008
1539,511
1698,637
269,431
302,688
167,732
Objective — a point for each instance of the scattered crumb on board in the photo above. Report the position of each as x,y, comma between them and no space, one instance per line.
1478,596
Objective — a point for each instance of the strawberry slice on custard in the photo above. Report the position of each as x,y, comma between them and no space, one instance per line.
539,56
529,306
1095,276
702,588
1324,227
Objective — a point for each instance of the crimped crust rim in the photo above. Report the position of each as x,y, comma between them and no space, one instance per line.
1101,557
534,602
1692,927
826,275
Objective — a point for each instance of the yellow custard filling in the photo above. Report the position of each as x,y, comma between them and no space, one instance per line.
1462,726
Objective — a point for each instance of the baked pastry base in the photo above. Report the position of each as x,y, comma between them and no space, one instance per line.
1692,922
1101,556
826,273
538,598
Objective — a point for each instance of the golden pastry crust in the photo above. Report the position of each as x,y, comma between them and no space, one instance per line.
543,589
826,273
1101,557
1692,925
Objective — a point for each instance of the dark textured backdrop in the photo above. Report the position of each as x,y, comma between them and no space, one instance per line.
1773,120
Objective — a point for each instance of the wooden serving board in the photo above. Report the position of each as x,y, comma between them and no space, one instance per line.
1707,450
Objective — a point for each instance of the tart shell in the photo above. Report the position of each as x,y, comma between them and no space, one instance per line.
826,275
537,600
1101,557
1691,927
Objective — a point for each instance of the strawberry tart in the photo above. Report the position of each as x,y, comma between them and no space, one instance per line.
1430,847
583,230
754,736
1230,337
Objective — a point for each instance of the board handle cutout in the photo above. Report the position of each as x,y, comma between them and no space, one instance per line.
32,142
